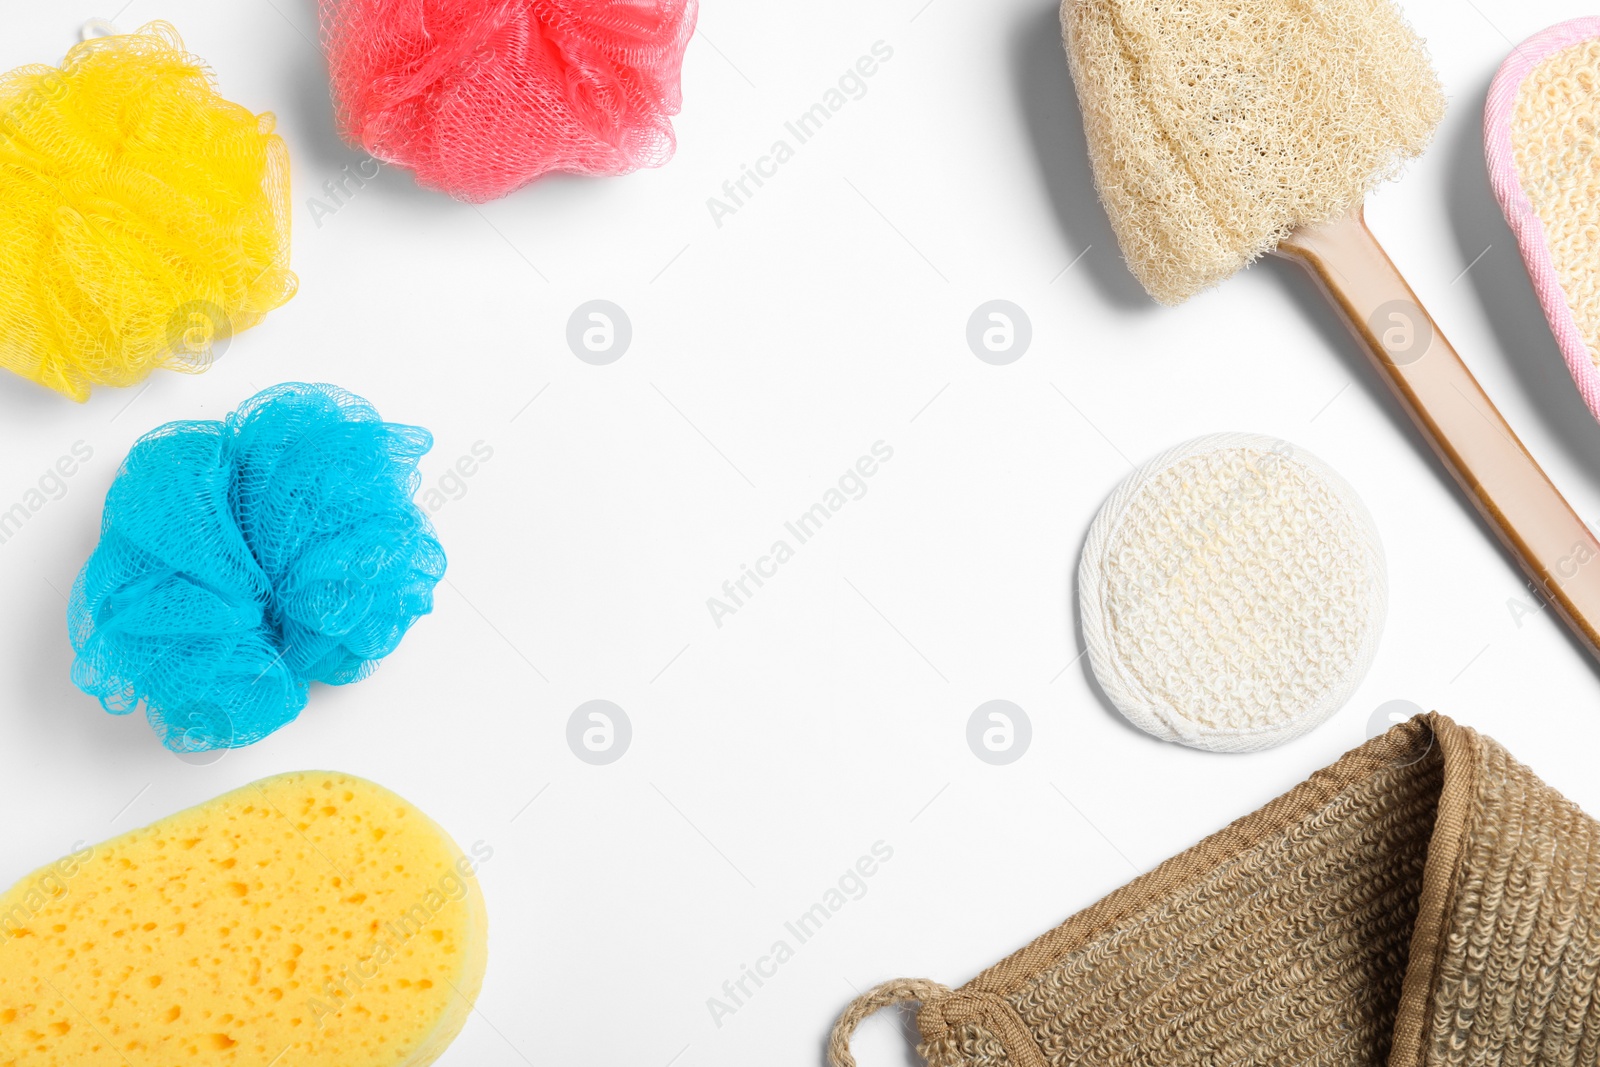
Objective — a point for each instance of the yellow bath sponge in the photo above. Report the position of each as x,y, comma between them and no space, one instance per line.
308,920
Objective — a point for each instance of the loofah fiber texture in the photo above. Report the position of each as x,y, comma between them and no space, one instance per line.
1215,127
241,560
1541,129
142,216
480,97
1425,901
1232,592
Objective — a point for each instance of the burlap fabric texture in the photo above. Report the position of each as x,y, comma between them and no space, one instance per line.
1425,901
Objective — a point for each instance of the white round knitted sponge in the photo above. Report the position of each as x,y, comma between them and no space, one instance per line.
1232,592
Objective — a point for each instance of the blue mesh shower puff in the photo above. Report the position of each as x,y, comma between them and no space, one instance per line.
240,561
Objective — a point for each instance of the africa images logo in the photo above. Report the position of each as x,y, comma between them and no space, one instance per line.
851,485
851,85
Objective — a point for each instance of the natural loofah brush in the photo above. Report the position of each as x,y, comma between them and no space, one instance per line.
1221,130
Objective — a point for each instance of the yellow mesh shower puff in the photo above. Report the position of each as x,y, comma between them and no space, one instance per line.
144,219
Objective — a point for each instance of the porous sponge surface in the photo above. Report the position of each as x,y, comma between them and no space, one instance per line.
1557,150
143,217
234,935
1215,127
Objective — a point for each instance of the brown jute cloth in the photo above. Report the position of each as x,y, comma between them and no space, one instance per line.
1426,900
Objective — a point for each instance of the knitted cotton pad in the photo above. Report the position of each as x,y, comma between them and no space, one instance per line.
142,216
1215,127
1543,152
1232,592
480,97
240,561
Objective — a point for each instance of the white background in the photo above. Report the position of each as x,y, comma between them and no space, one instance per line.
768,355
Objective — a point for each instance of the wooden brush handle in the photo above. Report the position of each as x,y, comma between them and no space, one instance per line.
1532,519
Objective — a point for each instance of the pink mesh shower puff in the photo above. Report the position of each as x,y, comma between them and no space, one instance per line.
480,97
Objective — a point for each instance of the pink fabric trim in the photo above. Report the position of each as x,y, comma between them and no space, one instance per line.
1497,115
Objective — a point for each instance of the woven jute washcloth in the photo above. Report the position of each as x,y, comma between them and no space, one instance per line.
1426,900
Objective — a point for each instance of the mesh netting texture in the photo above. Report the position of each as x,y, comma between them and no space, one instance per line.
141,214
480,97
241,560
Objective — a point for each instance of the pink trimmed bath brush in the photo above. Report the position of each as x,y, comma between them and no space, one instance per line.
1539,135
